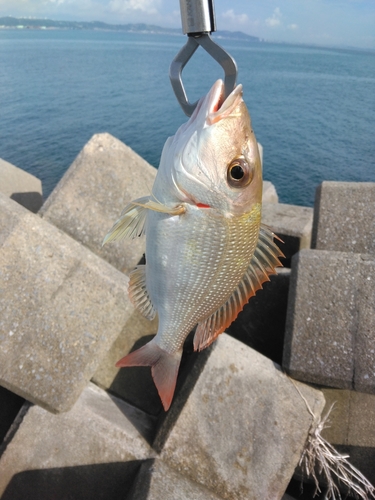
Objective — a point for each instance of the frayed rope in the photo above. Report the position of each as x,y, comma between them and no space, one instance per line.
319,458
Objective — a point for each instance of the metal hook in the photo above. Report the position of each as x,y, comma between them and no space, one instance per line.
198,21
182,58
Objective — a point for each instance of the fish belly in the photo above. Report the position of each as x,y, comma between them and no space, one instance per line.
193,264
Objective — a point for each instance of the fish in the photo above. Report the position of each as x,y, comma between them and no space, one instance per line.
207,252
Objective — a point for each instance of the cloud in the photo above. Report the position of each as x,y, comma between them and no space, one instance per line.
275,20
124,6
292,26
237,18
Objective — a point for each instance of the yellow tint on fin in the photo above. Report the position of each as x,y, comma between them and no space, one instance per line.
159,207
263,263
138,292
131,224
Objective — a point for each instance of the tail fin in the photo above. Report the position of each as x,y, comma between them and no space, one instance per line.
164,368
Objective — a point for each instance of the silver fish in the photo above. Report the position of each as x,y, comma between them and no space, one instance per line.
206,250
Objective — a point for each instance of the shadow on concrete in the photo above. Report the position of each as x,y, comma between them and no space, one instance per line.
142,421
32,201
289,246
142,403
361,457
192,365
261,324
141,485
135,384
298,490
10,405
110,481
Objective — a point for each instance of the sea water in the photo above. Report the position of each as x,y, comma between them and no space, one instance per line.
313,109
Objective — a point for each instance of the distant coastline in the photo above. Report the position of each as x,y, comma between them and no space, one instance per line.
49,24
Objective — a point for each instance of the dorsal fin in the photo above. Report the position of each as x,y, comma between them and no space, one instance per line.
263,263
131,222
138,293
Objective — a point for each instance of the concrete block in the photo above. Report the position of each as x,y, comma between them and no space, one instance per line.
91,452
104,177
351,427
337,428
344,217
269,193
330,320
351,420
157,481
61,308
321,318
21,186
135,384
292,223
261,324
364,372
242,429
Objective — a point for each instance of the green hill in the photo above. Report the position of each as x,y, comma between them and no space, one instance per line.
28,23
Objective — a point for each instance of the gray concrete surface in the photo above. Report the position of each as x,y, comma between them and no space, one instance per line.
88,200
61,309
344,217
21,186
351,421
261,324
269,193
351,427
91,452
292,223
243,427
157,481
330,320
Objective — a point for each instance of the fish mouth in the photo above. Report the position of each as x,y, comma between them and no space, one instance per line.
217,106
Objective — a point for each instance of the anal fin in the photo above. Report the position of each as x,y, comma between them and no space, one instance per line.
263,263
138,292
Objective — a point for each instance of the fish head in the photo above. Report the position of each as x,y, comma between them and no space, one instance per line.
213,159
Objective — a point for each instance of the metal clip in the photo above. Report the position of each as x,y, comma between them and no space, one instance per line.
182,58
198,21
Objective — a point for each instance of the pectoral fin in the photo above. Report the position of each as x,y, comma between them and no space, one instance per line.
263,263
131,224
159,207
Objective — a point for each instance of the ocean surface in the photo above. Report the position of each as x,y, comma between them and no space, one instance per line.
313,109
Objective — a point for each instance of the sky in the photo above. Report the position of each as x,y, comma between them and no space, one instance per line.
322,22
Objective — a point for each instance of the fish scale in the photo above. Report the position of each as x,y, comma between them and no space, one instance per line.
203,277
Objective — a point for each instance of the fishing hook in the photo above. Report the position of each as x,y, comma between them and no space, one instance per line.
198,22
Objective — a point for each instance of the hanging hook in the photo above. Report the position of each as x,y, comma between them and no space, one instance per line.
198,21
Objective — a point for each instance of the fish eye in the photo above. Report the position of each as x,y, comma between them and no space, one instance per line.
239,173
